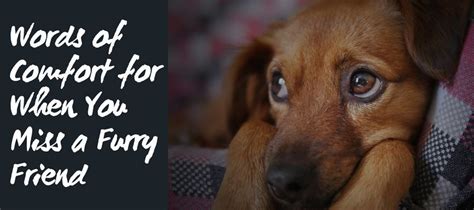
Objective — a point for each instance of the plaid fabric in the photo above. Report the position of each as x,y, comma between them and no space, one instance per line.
445,164
195,175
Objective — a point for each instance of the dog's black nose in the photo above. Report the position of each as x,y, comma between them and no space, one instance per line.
287,182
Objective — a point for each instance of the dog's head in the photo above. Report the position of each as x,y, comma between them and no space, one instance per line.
338,78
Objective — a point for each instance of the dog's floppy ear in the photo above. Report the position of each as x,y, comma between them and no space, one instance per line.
246,87
434,34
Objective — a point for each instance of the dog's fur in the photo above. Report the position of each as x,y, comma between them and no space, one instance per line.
355,155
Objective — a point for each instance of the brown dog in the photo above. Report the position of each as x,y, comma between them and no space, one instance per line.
333,98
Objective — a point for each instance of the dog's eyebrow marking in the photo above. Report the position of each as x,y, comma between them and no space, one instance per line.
343,61
300,72
381,67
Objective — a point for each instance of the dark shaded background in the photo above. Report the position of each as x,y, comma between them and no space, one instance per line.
204,35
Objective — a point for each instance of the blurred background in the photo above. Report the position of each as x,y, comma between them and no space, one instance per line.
203,36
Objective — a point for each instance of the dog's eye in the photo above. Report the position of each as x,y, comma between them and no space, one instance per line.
364,84
278,88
